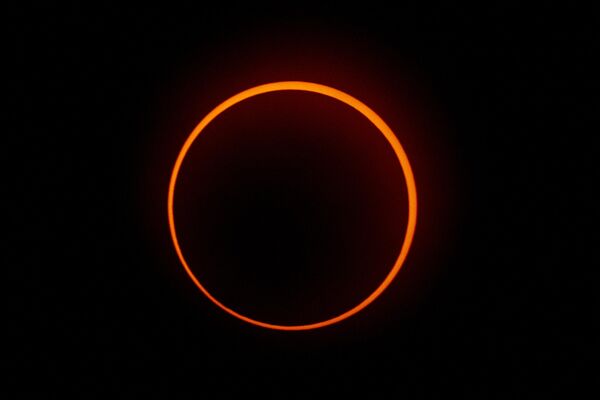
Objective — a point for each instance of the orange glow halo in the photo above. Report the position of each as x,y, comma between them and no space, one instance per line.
371,116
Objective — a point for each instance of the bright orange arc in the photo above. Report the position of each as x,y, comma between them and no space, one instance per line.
371,116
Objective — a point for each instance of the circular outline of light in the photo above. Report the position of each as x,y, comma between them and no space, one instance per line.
371,116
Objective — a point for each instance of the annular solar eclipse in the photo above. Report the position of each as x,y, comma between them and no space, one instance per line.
358,106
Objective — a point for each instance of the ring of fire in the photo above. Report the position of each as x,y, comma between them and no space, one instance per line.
373,118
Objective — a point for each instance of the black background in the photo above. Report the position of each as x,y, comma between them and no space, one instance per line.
101,101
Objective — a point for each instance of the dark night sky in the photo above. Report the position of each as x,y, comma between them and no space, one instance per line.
102,99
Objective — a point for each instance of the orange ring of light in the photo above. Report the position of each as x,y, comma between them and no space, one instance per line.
371,116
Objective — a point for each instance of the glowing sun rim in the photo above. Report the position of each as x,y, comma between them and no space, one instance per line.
371,116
